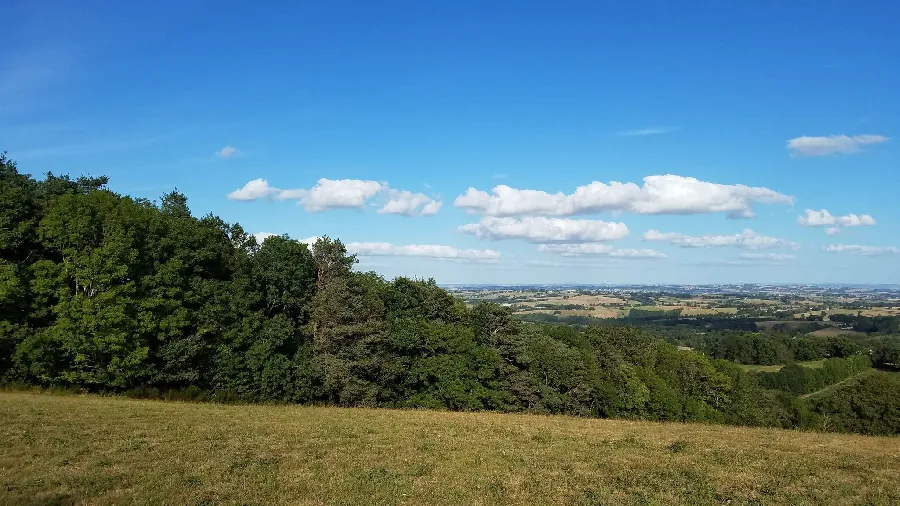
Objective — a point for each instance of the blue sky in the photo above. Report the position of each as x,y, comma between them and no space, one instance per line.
756,112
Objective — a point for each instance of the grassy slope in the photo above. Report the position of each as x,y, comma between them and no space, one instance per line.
94,450
815,364
848,381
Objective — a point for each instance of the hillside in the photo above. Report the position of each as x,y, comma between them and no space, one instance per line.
96,450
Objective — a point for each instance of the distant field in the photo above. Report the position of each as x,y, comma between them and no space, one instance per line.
767,324
93,450
775,368
761,302
689,311
606,312
878,311
834,331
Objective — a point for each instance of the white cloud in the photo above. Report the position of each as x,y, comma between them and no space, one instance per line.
668,194
226,152
408,204
832,145
256,189
595,249
342,193
863,250
825,219
262,236
309,240
422,250
540,230
774,257
336,193
748,239
646,131
431,208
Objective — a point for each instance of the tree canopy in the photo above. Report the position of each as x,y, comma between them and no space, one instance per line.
107,292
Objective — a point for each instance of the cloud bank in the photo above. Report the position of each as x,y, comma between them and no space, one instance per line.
422,250
545,230
595,249
863,250
748,239
668,194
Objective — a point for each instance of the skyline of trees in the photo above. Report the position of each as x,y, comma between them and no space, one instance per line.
117,294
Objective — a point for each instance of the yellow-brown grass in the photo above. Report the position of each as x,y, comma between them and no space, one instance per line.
94,450
814,364
834,331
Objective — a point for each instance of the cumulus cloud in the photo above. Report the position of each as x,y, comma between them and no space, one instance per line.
748,239
256,189
309,240
863,250
542,230
337,193
832,144
226,152
422,250
342,193
262,236
595,249
668,194
834,223
410,204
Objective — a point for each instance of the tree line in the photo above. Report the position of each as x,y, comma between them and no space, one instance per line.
111,293
770,348
797,379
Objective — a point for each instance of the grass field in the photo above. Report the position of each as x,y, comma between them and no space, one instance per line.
777,367
834,331
95,450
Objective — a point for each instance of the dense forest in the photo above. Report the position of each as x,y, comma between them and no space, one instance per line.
109,293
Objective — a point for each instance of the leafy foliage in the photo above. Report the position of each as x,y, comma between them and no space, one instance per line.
109,293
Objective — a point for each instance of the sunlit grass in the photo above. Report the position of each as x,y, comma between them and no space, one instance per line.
814,364
95,450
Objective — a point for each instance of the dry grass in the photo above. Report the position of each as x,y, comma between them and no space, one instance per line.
93,450
834,331
762,368
814,364
761,302
690,311
696,311
606,312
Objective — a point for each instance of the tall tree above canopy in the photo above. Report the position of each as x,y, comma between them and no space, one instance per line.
285,272
332,261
